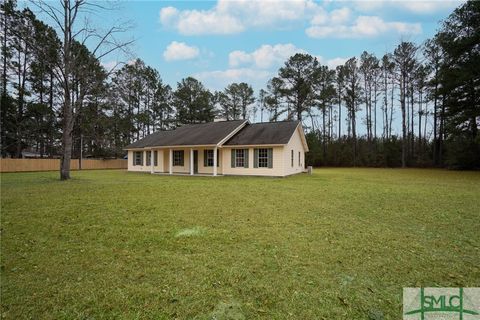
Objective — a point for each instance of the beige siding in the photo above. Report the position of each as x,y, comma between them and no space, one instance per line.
186,161
161,164
296,145
132,167
209,170
160,167
166,162
277,164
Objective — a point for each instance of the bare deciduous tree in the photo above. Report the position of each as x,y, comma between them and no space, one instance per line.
67,18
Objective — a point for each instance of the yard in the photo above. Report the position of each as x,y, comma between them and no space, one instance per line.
340,244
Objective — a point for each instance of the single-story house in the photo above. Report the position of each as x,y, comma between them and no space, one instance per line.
223,148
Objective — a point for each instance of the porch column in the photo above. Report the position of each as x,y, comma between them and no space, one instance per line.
152,161
191,161
170,166
215,161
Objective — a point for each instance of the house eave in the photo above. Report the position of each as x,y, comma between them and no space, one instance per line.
173,147
254,145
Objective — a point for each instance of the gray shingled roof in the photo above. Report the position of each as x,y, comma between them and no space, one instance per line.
188,135
264,133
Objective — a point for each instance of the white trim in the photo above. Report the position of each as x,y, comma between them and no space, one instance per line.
152,161
175,147
231,134
170,168
191,161
215,161
239,146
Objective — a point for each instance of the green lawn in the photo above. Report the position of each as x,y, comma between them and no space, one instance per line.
340,244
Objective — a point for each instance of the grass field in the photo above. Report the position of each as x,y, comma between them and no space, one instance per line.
340,244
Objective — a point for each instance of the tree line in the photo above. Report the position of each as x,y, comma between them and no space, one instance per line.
434,86
415,106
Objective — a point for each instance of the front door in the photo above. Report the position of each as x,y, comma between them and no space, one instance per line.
195,161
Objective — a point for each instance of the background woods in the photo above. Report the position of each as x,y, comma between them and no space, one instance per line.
418,105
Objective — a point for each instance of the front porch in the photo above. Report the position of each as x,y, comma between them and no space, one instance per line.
198,160
187,174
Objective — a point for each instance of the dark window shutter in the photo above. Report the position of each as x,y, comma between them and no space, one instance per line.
205,156
255,158
182,157
155,158
233,158
141,158
270,157
218,157
245,154
133,157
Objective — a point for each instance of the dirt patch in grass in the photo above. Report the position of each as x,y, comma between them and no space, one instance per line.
190,232
230,310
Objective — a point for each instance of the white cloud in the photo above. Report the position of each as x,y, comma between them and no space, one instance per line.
428,7
208,22
168,15
180,51
110,65
237,58
340,16
258,66
113,65
273,56
333,63
229,17
363,26
413,6
340,23
268,13
321,17
219,79
264,57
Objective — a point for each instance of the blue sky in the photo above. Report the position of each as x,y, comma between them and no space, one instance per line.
247,41
231,41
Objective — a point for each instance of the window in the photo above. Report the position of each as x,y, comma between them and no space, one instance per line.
149,158
239,157
292,158
208,158
263,158
138,159
178,158
299,162
155,158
